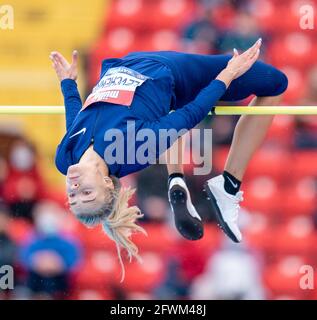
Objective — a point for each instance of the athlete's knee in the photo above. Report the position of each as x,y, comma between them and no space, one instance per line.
279,82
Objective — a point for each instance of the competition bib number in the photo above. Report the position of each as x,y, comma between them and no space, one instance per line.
117,86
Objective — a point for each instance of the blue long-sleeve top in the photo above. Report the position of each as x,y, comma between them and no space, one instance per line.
150,109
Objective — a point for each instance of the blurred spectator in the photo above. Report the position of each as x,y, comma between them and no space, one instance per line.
186,262
215,4
232,273
152,197
50,257
23,186
223,12
306,132
243,35
8,249
200,36
174,285
157,173
7,246
219,27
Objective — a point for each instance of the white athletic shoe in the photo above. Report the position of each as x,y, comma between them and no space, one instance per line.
187,220
226,207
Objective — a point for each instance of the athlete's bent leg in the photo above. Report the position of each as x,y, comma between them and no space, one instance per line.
187,220
223,191
248,136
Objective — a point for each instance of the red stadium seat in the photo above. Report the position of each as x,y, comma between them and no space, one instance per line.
193,255
269,15
295,237
299,198
171,14
296,84
132,14
162,39
20,230
282,131
212,239
58,196
295,12
271,162
71,225
120,41
267,161
144,276
115,43
161,238
299,51
210,242
259,234
283,279
261,194
99,269
223,16
95,238
141,15
304,164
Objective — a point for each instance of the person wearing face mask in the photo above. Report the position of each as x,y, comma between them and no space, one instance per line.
23,185
142,88
50,256
22,156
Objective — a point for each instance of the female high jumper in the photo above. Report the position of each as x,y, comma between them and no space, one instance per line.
141,89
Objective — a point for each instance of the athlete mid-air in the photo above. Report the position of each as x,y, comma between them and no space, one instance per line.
141,89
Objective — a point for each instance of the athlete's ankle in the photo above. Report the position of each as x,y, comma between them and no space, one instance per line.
175,175
232,184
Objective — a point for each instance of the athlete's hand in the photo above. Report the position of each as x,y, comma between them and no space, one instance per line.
63,68
241,63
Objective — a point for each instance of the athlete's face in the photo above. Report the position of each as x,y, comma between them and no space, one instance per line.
87,188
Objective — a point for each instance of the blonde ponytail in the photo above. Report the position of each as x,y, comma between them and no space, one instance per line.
121,224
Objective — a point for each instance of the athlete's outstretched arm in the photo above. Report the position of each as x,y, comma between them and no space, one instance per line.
67,74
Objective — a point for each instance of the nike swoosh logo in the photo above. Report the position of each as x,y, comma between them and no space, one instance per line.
83,130
235,185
